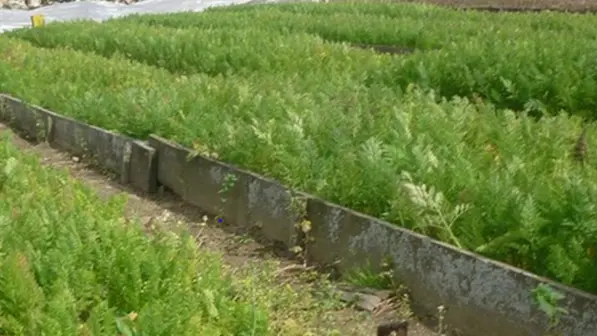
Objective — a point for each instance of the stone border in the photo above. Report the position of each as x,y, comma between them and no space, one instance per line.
482,297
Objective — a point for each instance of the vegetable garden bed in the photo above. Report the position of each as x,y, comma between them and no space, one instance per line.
72,264
278,90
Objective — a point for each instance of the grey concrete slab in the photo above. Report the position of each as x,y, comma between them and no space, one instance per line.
240,197
482,296
22,117
143,167
133,161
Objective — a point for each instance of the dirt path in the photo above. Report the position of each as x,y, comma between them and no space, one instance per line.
303,302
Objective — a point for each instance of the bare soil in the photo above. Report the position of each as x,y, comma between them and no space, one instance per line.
313,306
517,5
579,6
562,5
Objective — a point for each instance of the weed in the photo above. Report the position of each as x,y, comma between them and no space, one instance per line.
298,207
366,276
547,299
227,185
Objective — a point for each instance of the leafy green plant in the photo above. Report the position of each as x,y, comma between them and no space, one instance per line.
71,264
433,211
227,185
547,299
367,277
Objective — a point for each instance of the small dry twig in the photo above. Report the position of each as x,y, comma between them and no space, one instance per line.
293,267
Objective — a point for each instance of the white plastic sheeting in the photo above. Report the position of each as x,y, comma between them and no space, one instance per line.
100,10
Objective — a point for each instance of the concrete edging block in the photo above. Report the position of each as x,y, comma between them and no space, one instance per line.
482,296
131,160
143,169
106,148
250,200
23,117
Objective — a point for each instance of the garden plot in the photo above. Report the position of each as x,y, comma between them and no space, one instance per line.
389,141
291,300
474,138
71,263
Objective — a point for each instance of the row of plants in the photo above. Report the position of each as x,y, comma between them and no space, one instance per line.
374,22
211,51
511,67
577,24
338,27
495,182
71,264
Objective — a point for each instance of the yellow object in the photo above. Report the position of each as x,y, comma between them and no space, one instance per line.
37,20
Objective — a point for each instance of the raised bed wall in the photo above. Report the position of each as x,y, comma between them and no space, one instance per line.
482,297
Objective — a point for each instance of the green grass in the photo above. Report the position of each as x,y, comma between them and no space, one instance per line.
348,125
212,51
